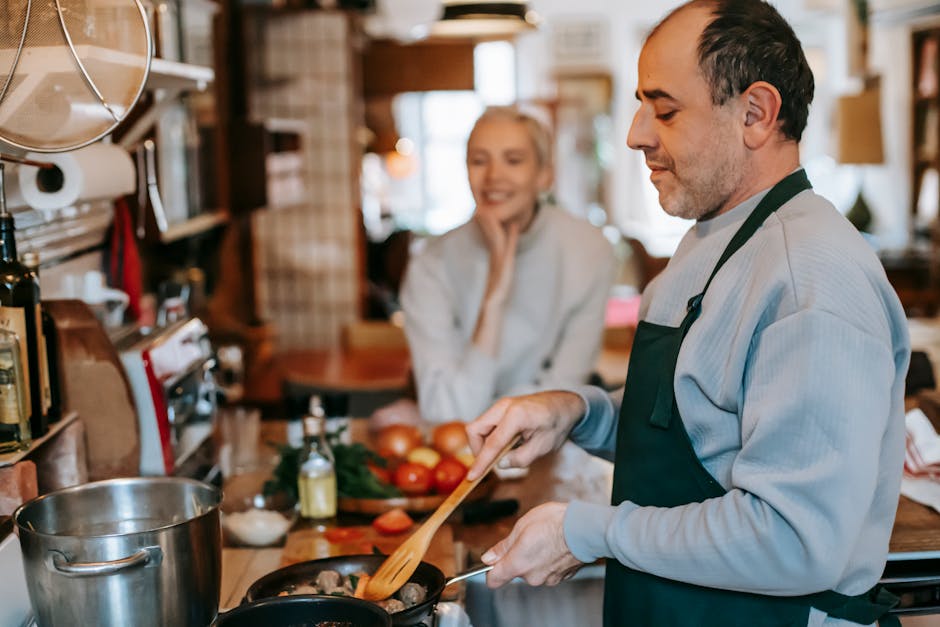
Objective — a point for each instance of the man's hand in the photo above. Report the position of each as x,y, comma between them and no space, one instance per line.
535,550
543,420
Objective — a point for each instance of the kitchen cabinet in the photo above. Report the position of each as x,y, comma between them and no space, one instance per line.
176,135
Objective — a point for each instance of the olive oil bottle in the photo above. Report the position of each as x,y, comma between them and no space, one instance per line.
14,422
48,350
20,313
316,482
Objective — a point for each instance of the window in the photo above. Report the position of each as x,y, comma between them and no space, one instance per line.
425,186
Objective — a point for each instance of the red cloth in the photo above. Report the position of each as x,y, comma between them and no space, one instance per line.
125,269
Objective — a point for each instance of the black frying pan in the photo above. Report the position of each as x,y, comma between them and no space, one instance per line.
427,575
307,611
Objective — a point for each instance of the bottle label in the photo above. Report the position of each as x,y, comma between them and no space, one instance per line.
13,319
9,405
43,363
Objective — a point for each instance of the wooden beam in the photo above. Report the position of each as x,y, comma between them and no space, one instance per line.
390,68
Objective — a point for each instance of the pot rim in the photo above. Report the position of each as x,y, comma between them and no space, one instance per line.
21,528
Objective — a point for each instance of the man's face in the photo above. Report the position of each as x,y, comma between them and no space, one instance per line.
693,148
504,170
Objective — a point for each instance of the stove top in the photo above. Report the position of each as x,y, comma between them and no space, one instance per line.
15,610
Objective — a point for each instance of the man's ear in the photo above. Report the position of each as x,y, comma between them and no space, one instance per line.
761,110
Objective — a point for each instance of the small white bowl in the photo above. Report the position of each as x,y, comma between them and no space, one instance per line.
258,520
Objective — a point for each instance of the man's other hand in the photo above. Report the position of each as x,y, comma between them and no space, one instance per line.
535,550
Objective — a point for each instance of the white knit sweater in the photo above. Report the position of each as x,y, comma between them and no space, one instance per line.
552,326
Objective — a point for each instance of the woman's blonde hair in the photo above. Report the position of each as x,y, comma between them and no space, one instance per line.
538,132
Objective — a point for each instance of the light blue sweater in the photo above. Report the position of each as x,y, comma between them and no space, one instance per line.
791,387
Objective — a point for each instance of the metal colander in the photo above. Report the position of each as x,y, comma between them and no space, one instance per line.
70,70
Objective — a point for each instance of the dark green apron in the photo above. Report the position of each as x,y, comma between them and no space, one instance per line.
657,466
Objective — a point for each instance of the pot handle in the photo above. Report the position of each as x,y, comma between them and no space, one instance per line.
467,574
62,564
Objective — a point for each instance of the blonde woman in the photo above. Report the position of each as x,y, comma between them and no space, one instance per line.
512,301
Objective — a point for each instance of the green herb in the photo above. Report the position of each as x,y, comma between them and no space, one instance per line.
353,477
354,581
286,473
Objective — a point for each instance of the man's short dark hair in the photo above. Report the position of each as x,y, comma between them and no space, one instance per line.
749,41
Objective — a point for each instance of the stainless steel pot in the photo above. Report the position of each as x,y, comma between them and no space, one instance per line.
142,551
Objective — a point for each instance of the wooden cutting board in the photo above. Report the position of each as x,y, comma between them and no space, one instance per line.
310,544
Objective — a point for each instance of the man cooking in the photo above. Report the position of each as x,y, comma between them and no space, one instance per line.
759,439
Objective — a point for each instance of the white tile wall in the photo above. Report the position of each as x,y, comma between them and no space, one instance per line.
307,259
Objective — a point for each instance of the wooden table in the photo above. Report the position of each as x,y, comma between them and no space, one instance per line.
336,369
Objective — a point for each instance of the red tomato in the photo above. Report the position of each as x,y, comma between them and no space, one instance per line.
448,474
413,478
392,522
382,474
338,535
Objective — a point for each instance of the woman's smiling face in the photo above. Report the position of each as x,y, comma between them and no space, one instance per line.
505,172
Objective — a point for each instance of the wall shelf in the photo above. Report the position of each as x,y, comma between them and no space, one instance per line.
179,76
167,79
194,226
8,459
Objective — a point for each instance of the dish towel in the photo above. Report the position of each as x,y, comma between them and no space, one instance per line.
921,480
125,268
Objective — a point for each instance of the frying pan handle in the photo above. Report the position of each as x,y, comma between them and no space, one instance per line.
467,574
62,564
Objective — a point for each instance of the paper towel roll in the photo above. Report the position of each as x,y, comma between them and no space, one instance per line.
96,172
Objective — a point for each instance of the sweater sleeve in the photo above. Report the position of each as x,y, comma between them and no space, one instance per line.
597,430
455,380
817,396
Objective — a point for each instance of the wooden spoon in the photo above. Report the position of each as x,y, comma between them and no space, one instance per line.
398,567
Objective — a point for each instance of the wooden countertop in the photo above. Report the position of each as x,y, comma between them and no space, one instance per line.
916,529
569,474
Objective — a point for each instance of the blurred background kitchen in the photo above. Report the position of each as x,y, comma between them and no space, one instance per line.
240,238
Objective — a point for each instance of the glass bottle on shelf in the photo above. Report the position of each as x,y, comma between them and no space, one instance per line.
317,476
21,313
14,421
49,350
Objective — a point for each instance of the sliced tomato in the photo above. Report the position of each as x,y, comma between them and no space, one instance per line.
392,522
413,479
338,535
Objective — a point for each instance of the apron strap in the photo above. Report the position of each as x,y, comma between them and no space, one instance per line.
778,195
863,609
